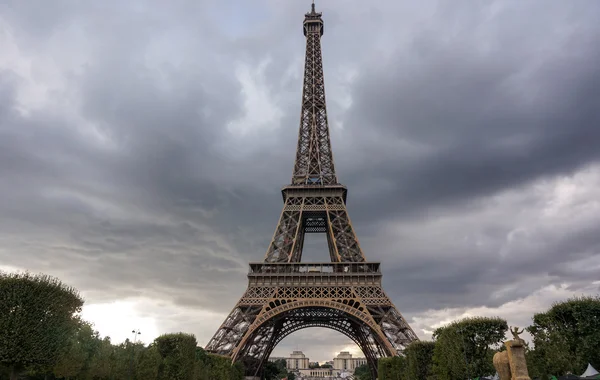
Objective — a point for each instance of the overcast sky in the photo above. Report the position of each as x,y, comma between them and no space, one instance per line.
143,145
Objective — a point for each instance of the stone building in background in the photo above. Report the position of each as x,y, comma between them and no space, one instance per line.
342,364
345,362
297,361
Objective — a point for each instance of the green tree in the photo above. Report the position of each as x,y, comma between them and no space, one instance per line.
534,364
566,337
121,360
216,367
71,361
271,371
202,365
449,359
178,353
419,360
76,355
466,347
363,372
4,372
148,363
392,368
236,372
281,365
102,363
278,370
37,318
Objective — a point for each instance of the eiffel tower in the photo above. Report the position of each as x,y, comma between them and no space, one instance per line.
285,295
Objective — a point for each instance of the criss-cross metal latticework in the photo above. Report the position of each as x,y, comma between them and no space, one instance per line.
314,159
285,295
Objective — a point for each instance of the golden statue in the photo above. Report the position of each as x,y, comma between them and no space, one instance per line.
515,333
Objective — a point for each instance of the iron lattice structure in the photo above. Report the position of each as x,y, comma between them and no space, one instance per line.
285,295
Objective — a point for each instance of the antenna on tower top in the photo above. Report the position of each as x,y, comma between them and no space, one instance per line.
313,6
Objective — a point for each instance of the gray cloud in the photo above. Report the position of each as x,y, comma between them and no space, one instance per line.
142,147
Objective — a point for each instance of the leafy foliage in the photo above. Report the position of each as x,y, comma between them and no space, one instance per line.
391,368
148,363
277,370
37,319
419,360
76,355
40,334
215,367
566,337
102,361
178,353
363,372
466,347
271,372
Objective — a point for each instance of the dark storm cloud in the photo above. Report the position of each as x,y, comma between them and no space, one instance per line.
474,120
129,178
444,281
130,208
110,211
454,121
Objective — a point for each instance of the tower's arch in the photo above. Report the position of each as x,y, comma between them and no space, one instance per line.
288,317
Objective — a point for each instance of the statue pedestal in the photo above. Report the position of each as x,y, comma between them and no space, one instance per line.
516,359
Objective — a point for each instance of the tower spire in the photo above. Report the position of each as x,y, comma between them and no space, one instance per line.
314,159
